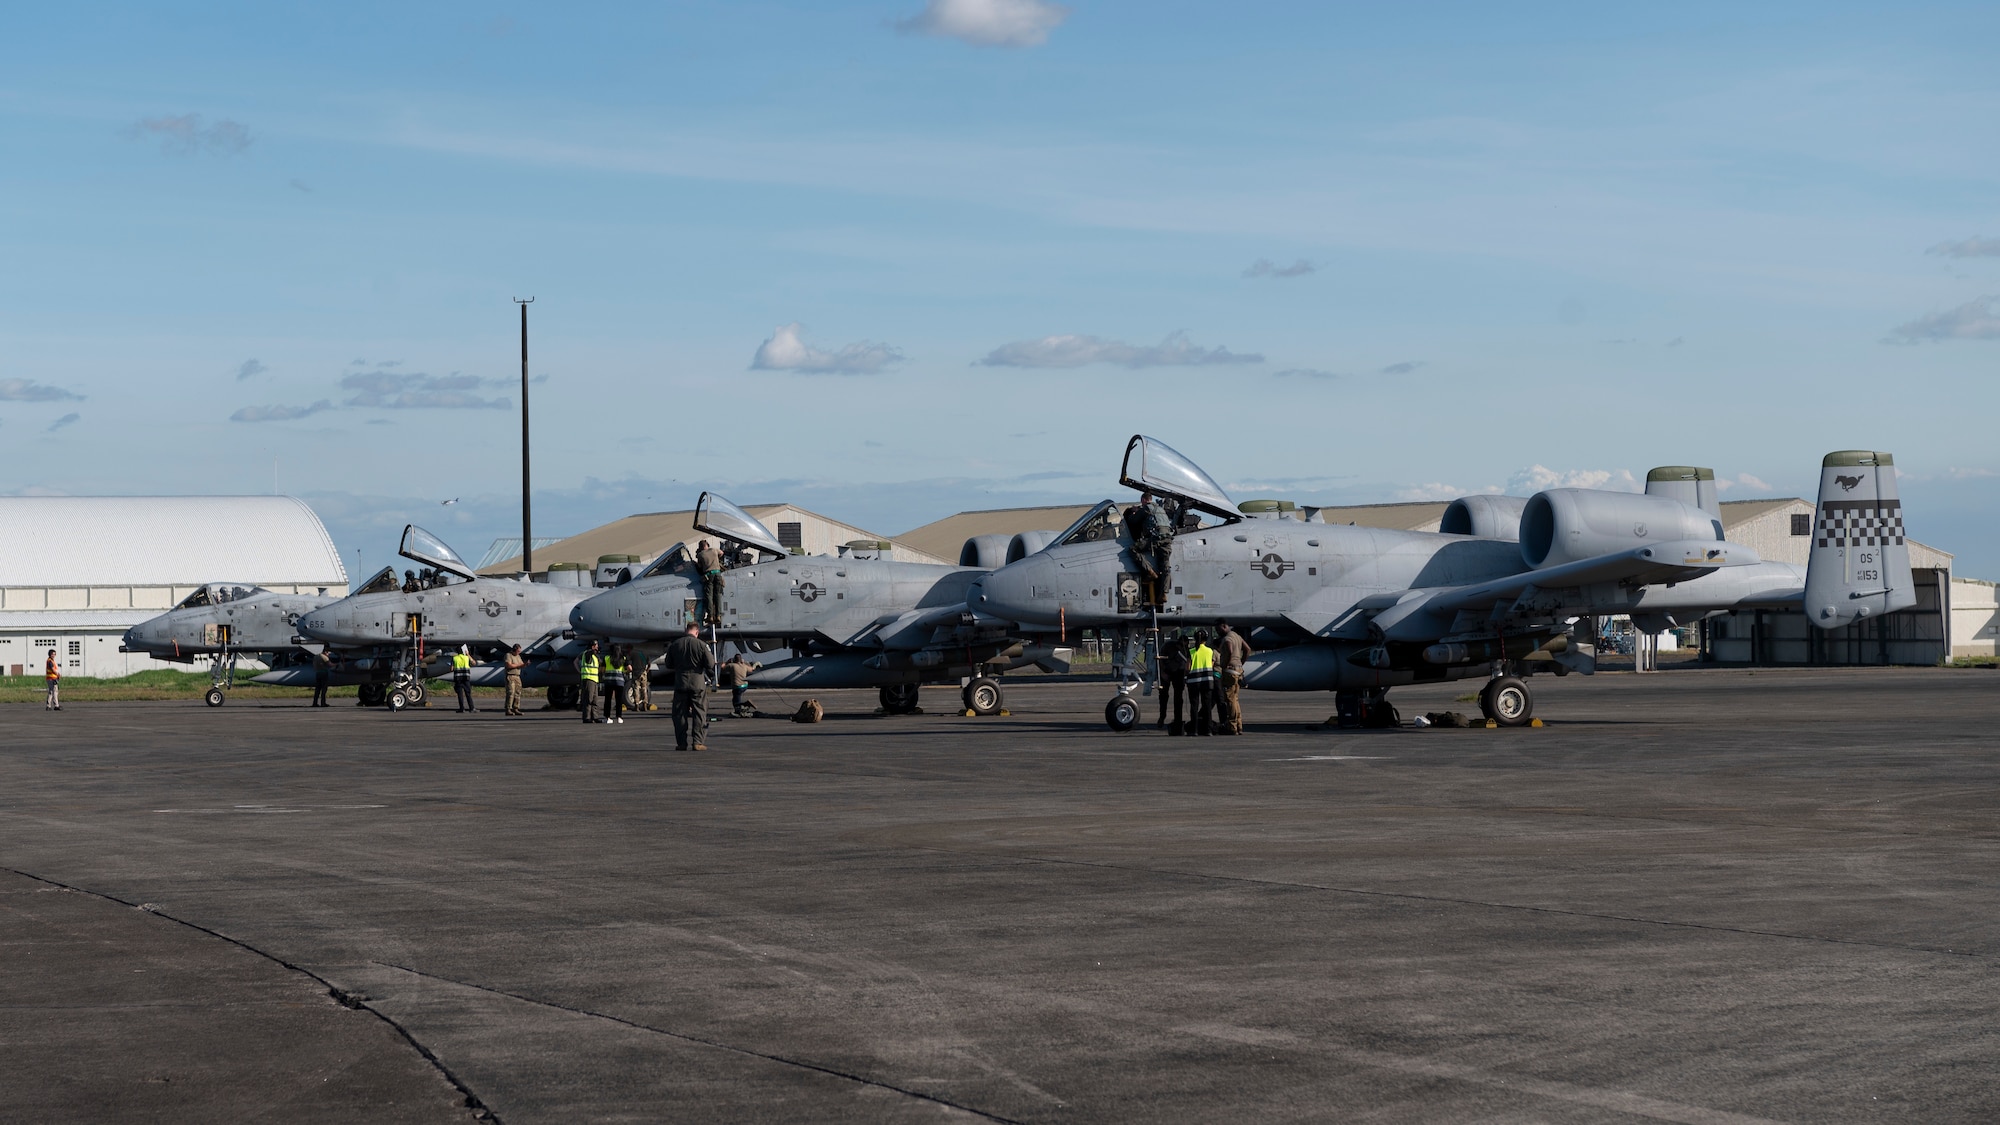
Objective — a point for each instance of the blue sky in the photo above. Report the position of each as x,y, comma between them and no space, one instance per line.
896,259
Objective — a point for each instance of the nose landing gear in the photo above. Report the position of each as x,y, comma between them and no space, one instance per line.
1507,701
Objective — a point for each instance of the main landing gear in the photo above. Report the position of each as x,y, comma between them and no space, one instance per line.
983,696
1506,700
900,699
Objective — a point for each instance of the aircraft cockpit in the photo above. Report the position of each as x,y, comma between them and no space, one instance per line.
1100,524
677,559
443,568
219,593
743,536
383,581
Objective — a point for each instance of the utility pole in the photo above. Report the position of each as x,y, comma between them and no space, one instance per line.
527,522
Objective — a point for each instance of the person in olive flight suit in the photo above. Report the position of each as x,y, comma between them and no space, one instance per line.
1173,680
708,560
691,664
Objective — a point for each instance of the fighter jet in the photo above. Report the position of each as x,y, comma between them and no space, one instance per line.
418,629
1495,595
228,620
856,619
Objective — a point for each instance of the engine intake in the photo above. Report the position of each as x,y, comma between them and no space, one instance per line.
987,552
1490,517
1565,525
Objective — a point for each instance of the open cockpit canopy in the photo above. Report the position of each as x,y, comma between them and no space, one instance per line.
1153,466
724,520
428,549
220,593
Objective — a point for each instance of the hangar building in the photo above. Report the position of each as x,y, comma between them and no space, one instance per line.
1952,616
77,571
650,533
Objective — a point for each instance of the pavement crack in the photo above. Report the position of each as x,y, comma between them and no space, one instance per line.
340,996
717,1044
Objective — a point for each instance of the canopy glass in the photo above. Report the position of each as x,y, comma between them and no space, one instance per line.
426,548
1151,465
720,518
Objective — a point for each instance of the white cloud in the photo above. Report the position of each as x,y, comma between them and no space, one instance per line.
1077,351
784,351
1264,267
987,23
1535,478
1432,491
1977,319
248,368
279,413
1974,247
1741,480
185,135
27,390
394,390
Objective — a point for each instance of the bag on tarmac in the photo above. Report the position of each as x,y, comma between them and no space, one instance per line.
809,712
1448,719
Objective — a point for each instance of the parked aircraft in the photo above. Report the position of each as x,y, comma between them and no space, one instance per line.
857,619
224,621
1495,595
418,629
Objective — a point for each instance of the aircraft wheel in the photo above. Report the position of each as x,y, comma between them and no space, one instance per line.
397,700
1122,713
417,693
983,696
214,698
899,699
1512,704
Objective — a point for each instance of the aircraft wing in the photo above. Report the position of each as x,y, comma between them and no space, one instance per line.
1650,564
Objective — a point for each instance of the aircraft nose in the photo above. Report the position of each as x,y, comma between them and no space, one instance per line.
1010,592
597,614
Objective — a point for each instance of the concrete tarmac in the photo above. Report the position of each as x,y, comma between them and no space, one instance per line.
1700,897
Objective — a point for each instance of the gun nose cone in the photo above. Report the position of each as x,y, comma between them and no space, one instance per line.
1009,592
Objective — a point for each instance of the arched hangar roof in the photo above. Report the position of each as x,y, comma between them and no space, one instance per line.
164,541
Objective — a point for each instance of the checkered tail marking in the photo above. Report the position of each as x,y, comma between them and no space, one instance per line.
1860,523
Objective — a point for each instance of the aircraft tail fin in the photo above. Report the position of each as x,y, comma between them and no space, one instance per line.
1688,484
1859,565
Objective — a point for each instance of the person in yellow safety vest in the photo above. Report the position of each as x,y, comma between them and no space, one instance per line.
54,676
587,670
1201,684
461,678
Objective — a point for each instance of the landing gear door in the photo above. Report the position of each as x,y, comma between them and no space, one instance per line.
724,520
1152,466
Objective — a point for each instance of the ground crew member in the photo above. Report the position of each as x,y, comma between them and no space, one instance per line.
587,672
690,662
735,676
461,679
513,664
638,689
614,688
53,675
1233,650
708,560
1201,684
1139,525
1173,680
322,677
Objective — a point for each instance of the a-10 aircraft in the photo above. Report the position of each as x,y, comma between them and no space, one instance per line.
417,630
1358,610
851,620
224,621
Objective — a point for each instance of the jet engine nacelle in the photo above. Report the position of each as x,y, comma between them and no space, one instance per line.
1028,542
1565,525
1489,517
987,552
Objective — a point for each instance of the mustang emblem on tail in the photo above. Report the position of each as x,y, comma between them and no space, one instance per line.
1847,484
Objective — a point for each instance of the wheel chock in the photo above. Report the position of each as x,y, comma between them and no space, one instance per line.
1534,722
971,714
1492,725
